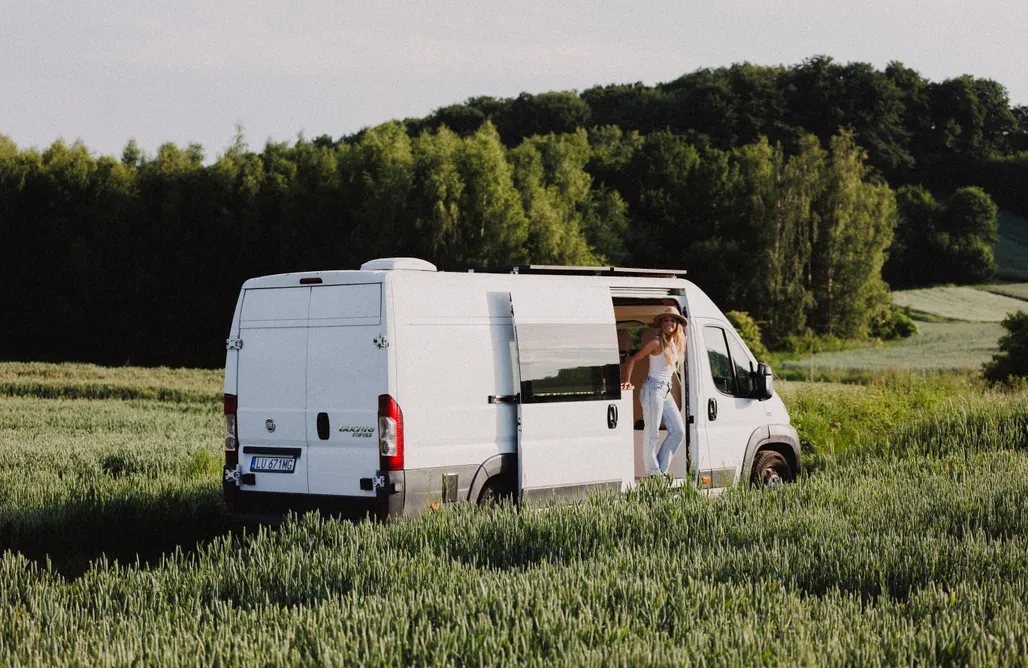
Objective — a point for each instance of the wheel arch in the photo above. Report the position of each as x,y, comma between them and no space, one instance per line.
781,438
504,464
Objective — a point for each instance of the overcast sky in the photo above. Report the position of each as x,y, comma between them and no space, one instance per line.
186,71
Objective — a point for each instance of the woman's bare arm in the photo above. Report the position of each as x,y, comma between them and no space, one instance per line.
649,349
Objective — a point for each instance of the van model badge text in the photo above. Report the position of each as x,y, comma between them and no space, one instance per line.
358,432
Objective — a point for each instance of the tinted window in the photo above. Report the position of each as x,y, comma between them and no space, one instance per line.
741,361
568,363
720,362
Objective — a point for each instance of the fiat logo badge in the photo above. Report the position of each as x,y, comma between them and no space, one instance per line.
270,424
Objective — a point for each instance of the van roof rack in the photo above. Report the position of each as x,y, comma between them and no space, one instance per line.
569,270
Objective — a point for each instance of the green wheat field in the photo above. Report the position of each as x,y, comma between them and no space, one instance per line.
905,542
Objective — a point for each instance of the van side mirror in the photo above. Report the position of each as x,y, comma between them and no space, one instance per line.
764,382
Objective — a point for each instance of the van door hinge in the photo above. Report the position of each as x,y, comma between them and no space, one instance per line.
233,344
233,475
374,483
381,341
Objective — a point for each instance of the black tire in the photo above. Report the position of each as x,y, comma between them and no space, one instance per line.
495,490
770,470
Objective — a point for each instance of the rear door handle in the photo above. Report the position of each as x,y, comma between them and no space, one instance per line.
612,416
323,426
712,409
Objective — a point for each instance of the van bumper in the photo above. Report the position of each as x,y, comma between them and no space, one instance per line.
273,508
250,507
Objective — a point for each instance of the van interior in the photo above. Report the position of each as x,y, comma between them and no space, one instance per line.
634,329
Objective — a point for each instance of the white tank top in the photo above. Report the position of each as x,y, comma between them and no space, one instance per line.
660,369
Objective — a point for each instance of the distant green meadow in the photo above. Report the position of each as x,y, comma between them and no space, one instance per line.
959,303
1012,248
905,542
936,347
1015,290
958,330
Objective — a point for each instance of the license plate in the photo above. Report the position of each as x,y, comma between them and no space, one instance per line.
273,464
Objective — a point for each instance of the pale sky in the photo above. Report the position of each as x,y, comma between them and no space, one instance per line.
188,71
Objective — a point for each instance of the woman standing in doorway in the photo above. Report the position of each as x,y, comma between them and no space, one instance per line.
665,351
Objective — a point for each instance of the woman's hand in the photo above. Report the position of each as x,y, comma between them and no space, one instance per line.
629,366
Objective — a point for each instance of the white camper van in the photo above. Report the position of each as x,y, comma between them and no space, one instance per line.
390,389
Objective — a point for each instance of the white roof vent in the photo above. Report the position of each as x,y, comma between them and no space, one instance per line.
397,263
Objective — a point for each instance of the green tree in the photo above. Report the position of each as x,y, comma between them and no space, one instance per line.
529,115
656,188
943,244
749,331
605,223
970,227
493,227
379,179
555,192
438,189
914,257
855,223
1012,358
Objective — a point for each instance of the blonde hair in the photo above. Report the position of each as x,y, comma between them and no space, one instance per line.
673,345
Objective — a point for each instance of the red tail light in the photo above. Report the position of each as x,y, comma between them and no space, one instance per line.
231,432
390,433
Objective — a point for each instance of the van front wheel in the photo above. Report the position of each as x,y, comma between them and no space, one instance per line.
770,470
495,490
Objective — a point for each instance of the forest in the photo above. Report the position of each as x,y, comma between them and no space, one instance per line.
798,194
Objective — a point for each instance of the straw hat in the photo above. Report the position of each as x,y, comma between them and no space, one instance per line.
670,311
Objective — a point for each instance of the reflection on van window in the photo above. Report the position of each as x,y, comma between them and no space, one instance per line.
568,363
744,377
720,363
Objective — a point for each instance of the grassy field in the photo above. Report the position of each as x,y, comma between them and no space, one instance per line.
959,303
1015,290
958,329
81,476
906,543
1012,248
936,346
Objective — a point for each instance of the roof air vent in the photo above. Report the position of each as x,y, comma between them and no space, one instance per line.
397,264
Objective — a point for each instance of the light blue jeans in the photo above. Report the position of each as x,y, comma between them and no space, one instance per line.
658,402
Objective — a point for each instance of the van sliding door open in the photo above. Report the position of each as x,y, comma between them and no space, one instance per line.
574,425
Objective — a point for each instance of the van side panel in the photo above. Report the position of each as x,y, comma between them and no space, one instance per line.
453,351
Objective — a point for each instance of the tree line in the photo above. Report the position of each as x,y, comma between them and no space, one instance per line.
139,259
943,135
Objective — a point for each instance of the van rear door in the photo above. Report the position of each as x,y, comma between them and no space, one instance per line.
575,430
346,373
272,390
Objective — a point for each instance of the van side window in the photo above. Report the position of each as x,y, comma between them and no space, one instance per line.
567,363
720,362
740,360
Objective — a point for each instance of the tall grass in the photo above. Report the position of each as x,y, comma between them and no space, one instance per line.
79,478
920,562
89,381
906,544
902,414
